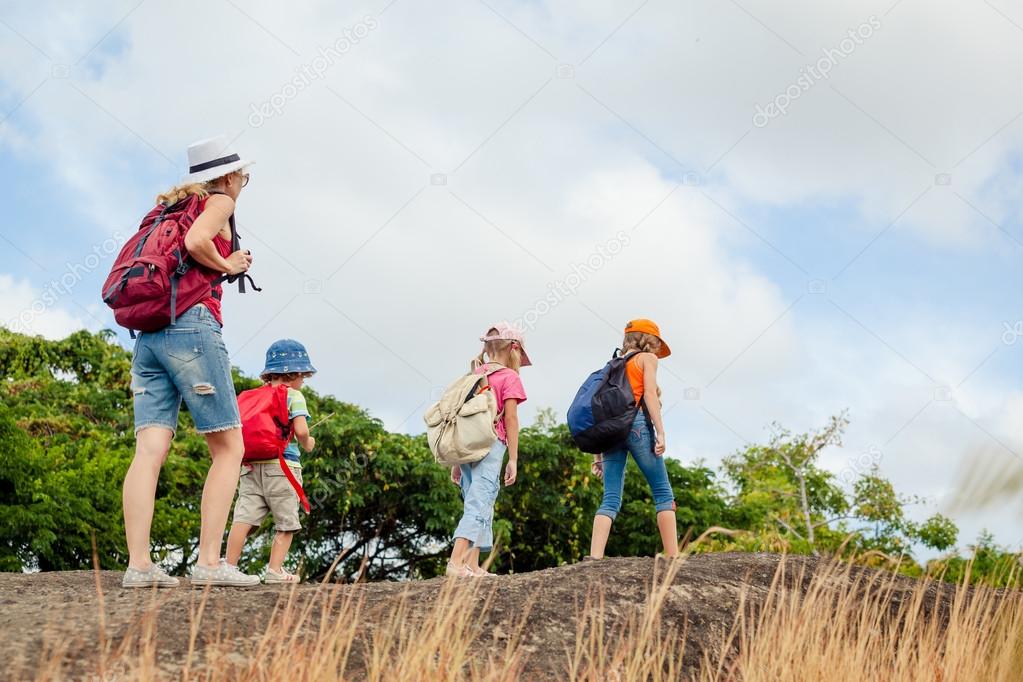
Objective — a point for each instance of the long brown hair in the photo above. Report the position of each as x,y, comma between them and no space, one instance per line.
644,343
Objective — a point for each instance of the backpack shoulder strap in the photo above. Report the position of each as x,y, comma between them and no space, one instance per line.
235,246
493,367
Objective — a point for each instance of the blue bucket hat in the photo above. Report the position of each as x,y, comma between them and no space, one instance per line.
287,356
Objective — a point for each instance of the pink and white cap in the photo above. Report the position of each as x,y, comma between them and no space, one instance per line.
507,332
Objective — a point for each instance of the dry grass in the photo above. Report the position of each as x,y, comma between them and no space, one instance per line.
839,623
854,623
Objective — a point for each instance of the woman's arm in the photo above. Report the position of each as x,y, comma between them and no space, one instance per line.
199,238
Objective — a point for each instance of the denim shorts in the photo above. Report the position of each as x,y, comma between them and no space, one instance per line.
189,361
640,444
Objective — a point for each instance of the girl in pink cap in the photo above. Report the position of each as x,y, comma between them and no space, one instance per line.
504,348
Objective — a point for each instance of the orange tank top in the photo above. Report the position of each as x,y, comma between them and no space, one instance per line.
635,374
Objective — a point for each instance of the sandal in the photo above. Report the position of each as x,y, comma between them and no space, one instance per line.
456,571
282,578
480,572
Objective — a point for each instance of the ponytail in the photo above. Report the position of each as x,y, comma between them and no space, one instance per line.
176,194
492,350
202,189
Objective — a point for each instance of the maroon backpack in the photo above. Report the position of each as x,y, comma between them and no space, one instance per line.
154,279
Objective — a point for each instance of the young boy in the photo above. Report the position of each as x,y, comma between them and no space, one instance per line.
263,487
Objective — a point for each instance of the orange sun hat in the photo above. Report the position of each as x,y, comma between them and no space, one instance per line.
644,326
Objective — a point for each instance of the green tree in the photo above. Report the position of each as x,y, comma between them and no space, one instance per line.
544,519
386,508
988,564
784,498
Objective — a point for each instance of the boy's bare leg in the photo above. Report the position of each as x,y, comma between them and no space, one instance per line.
236,541
279,550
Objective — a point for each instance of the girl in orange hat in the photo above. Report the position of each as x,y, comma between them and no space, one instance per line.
645,442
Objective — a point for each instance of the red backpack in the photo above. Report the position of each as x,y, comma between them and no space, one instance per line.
267,430
154,278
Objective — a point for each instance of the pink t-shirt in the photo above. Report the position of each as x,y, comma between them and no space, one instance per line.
506,385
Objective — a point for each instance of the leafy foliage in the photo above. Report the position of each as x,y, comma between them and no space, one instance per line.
988,564
382,504
784,497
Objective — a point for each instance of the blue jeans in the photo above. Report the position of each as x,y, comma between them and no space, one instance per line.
480,483
641,444
185,361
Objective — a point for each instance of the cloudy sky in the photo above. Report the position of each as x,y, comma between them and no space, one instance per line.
819,202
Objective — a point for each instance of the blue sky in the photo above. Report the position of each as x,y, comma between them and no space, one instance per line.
542,167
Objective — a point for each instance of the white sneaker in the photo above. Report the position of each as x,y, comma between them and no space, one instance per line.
153,576
224,575
282,578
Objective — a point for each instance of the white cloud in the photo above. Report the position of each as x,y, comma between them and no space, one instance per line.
27,310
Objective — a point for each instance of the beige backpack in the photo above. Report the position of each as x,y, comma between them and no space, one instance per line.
460,426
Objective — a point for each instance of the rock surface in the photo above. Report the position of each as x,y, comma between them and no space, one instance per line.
52,620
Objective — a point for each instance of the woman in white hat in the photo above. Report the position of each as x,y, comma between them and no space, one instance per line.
189,361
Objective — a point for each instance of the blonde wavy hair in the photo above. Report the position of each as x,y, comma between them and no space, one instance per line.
202,189
495,351
644,343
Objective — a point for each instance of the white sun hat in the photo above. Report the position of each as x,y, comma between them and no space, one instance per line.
212,158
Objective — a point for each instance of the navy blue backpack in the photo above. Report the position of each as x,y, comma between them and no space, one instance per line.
603,410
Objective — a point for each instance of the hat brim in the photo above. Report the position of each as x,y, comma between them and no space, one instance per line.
664,351
524,358
216,172
308,369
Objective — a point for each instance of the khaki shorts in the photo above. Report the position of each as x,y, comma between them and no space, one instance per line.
265,490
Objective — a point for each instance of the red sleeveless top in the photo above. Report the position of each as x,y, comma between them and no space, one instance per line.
212,303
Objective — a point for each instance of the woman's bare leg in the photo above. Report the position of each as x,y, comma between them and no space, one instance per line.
226,449
139,492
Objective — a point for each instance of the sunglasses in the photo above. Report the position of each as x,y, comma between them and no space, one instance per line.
245,179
